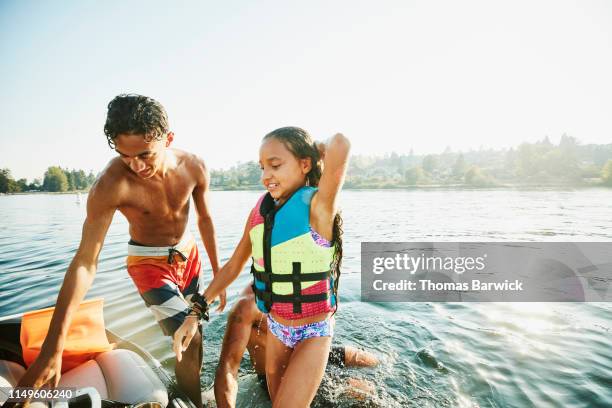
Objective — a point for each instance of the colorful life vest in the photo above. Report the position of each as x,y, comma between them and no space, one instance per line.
291,273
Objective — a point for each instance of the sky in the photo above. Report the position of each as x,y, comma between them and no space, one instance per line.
391,76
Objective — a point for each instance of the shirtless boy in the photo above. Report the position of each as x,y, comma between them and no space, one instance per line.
151,185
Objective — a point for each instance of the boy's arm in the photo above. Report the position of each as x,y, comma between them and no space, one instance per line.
335,154
78,279
201,199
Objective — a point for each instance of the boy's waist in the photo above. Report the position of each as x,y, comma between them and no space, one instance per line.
184,245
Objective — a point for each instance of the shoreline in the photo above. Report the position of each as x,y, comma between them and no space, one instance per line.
454,187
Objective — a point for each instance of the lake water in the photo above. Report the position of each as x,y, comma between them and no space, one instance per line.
433,354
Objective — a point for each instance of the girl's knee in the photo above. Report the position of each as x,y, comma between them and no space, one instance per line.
243,310
226,368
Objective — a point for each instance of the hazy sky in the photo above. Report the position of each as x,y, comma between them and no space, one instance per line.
390,75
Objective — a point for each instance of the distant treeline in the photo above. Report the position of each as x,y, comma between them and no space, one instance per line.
542,163
530,164
56,179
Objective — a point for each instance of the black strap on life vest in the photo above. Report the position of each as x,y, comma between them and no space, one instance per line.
306,277
296,277
268,297
267,256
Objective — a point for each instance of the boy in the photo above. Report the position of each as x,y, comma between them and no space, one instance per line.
151,185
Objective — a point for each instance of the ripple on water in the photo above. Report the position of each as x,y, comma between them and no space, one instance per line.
433,354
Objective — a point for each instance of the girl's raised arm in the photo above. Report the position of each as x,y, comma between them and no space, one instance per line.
335,155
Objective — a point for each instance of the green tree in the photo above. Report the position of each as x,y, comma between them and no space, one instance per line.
430,163
253,173
414,176
5,180
35,185
7,184
475,177
527,162
91,178
70,177
80,180
217,177
568,142
55,179
22,184
77,180
606,173
561,165
459,167
13,187
472,174
394,159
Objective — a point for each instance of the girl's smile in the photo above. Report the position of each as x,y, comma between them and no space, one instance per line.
282,172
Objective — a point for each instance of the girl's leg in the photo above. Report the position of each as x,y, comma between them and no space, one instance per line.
277,359
303,376
235,340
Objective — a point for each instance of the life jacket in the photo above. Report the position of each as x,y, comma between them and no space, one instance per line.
289,267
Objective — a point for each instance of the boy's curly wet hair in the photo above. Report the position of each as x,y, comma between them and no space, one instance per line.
135,115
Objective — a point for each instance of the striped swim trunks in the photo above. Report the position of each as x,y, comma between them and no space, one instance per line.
166,278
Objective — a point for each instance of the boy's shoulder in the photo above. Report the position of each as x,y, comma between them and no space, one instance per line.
115,171
111,181
188,159
193,166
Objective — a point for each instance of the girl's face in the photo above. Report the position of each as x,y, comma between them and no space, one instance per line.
282,172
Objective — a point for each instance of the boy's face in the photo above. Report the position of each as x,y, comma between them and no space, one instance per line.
282,172
144,159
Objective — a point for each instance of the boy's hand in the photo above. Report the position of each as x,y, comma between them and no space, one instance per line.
45,370
183,335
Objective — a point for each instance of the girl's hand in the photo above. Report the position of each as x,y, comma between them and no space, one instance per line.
336,155
320,146
222,301
183,335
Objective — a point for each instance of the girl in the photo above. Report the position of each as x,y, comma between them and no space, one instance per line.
293,235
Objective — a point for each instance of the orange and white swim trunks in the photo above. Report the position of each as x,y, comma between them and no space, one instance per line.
166,278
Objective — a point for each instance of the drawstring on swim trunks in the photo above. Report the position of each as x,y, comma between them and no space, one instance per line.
174,251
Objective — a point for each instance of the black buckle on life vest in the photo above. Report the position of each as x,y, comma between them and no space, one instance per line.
265,296
261,276
304,277
303,298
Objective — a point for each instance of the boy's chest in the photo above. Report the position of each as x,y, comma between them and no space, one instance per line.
159,198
